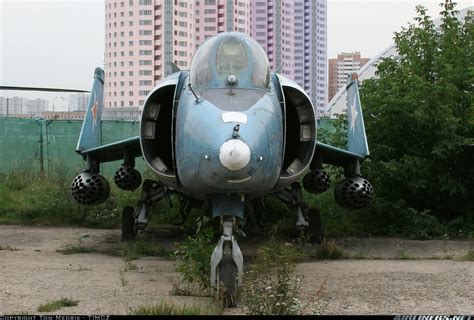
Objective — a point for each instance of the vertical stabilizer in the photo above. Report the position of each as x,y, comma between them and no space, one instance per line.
90,132
356,128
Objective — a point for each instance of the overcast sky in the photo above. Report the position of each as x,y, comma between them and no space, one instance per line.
58,43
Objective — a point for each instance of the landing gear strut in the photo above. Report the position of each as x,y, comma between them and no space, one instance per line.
135,220
308,220
227,264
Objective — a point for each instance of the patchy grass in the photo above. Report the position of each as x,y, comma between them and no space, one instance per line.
129,251
327,250
9,248
469,256
166,308
57,304
402,254
75,248
271,286
193,289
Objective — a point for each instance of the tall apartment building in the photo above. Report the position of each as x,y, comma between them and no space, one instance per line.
214,16
143,38
293,33
78,101
22,106
341,67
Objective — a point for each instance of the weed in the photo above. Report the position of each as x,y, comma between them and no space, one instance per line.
180,288
166,308
193,257
272,293
403,254
276,252
57,304
76,247
328,249
136,249
271,287
445,242
9,248
130,266
469,256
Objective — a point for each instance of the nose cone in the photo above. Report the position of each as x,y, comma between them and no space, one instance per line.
234,154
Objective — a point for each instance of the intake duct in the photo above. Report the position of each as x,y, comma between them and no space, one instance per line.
127,178
354,193
90,188
317,181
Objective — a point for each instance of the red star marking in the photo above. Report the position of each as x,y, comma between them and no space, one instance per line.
94,115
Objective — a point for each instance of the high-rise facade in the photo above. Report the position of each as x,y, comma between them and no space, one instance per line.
22,106
144,38
293,33
341,67
78,101
214,16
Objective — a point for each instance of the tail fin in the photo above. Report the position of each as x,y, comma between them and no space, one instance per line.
356,129
90,132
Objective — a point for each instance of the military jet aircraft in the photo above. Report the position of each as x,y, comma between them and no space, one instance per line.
225,133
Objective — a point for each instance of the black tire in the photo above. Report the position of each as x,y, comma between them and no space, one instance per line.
128,224
315,228
227,282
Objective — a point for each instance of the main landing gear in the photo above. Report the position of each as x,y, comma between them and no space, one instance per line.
134,220
307,219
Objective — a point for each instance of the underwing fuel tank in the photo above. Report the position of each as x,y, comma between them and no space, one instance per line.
229,141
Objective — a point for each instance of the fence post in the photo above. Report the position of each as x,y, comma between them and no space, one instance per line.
48,158
40,141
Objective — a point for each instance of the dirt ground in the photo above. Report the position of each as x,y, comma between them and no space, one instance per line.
384,276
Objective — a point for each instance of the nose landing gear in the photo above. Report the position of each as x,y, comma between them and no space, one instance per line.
227,264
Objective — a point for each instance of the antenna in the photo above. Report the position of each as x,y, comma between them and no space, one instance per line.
198,100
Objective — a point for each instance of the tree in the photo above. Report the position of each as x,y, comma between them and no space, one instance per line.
419,116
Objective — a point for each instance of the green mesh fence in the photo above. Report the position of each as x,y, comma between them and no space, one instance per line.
48,145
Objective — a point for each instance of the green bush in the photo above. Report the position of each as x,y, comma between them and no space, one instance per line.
193,257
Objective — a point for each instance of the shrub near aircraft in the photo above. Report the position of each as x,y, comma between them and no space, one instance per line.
225,133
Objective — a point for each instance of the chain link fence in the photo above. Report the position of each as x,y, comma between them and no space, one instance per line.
48,146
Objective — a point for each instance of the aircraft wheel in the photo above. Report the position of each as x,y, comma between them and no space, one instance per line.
315,228
227,282
128,224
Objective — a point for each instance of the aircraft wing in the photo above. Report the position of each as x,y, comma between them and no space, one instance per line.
335,156
115,151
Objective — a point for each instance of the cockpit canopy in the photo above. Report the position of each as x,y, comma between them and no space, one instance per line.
230,59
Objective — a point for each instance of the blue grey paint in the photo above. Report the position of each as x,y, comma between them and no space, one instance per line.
356,129
200,134
90,133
